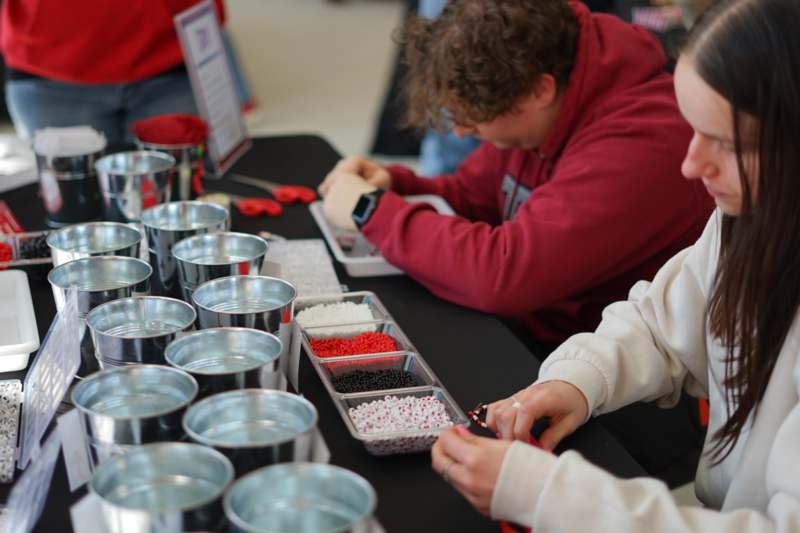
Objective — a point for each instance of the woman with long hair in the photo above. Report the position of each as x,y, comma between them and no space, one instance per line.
719,320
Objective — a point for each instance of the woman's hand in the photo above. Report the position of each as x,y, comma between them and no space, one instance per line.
470,463
561,402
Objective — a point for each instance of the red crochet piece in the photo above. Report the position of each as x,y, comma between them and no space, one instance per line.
171,129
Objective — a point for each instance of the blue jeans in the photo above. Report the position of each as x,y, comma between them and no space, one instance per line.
35,103
441,153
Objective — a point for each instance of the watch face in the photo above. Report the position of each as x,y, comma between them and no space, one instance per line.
365,207
362,208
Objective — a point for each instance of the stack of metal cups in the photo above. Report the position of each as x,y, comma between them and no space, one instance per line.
167,224
137,330
98,280
131,182
216,255
126,407
65,159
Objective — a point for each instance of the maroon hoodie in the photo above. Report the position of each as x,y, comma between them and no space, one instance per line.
555,234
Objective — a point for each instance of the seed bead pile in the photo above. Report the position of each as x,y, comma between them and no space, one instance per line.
34,247
365,343
365,381
6,252
394,413
336,313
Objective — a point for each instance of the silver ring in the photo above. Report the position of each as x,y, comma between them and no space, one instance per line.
450,462
515,403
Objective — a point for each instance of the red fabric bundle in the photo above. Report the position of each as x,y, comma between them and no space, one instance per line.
171,129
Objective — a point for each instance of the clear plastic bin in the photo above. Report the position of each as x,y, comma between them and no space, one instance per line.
359,256
348,331
19,336
377,308
399,442
329,370
28,248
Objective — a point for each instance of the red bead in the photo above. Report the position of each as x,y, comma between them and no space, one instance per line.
371,342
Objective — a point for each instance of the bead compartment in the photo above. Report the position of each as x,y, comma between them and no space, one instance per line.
328,333
368,298
404,441
405,358
409,361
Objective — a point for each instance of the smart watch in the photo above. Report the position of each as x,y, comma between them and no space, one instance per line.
365,207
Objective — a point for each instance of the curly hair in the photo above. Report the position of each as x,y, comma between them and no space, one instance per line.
480,57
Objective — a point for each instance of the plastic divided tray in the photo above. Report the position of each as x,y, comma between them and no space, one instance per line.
24,249
406,358
359,257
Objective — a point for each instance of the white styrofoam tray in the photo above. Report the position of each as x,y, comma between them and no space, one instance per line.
19,336
362,259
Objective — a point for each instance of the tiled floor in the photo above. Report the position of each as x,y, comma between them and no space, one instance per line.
317,66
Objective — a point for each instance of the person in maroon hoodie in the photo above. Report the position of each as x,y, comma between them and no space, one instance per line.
576,192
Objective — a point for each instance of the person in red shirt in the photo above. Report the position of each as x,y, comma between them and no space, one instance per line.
103,63
574,194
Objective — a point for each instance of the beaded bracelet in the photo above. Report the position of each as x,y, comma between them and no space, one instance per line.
475,415
478,414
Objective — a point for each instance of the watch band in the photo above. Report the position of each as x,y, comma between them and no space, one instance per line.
365,207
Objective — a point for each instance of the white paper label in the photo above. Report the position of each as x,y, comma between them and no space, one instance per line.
76,451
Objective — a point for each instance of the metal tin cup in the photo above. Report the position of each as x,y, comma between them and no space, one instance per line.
165,488
216,255
98,280
69,188
254,427
167,224
300,497
130,182
259,302
91,239
137,330
124,407
189,162
223,359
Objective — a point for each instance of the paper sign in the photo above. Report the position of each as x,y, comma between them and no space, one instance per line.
212,82
75,448
50,376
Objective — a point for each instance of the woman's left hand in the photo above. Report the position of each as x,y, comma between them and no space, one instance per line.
470,463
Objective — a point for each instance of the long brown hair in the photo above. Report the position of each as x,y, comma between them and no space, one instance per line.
749,52
479,57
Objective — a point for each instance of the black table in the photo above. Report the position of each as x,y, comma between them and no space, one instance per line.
474,354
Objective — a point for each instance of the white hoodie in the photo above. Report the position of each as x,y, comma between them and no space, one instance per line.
649,348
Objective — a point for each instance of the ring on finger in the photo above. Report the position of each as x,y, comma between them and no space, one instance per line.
515,403
446,468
